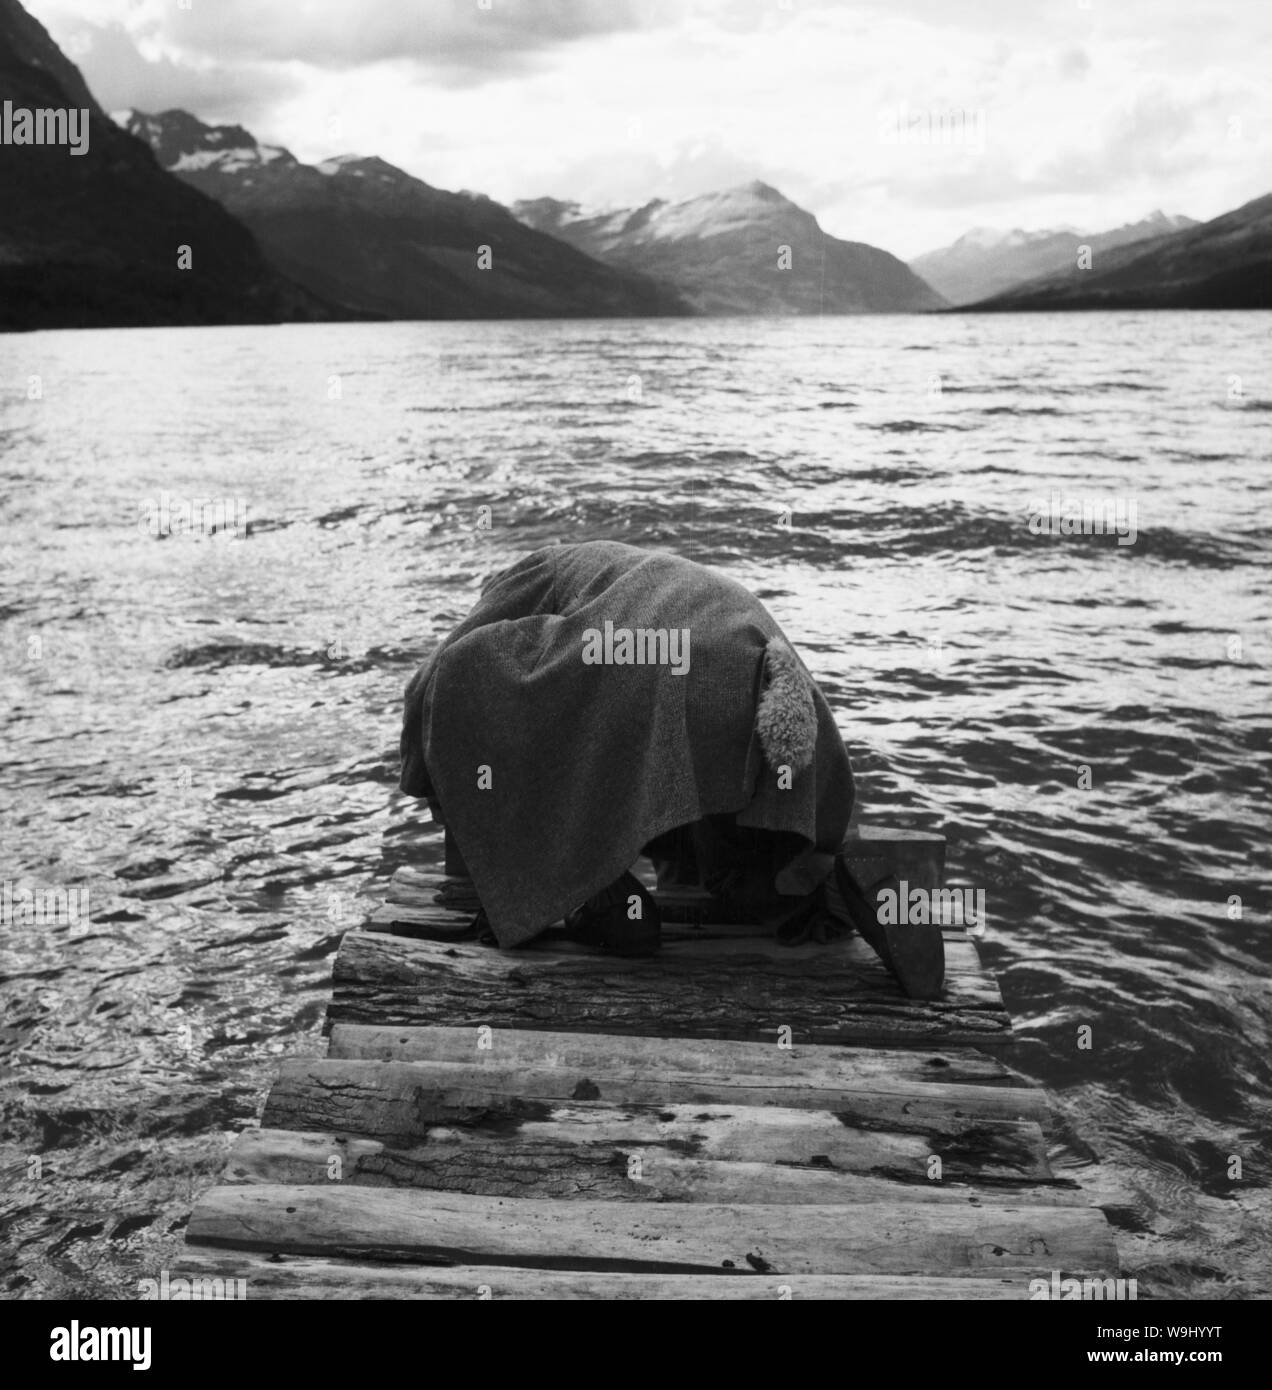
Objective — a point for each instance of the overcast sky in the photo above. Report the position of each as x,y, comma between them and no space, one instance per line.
1091,112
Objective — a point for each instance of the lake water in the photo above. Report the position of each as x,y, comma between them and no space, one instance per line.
201,729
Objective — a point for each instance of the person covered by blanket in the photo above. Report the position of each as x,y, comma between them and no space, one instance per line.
603,701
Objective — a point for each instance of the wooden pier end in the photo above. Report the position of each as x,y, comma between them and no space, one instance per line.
730,1119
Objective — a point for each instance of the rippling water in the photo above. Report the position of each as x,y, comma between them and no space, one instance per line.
201,729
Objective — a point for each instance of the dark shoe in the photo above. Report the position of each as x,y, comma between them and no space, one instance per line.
811,922
913,952
603,922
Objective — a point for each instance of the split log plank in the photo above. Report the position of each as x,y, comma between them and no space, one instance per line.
301,1277
511,1166
453,1228
800,1065
832,997
878,1101
403,1103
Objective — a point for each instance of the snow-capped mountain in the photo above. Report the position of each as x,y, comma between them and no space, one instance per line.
987,261
744,250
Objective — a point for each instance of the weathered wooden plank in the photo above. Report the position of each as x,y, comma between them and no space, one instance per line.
506,1165
908,1082
404,1103
454,1228
874,852
801,1065
874,1101
408,919
831,997
304,1277
893,839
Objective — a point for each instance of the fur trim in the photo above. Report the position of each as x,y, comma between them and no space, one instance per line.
786,718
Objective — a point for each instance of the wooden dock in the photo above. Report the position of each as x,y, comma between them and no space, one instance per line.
730,1119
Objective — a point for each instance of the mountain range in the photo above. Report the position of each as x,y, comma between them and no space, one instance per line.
368,236
985,262
94,239
746,250
379,242
1225,263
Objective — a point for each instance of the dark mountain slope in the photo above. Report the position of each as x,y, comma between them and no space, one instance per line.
92,239
368,235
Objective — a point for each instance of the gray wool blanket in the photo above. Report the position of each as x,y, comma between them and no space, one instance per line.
598,695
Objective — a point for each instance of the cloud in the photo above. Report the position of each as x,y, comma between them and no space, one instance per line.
458,42
695,167
1074,62
119,76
